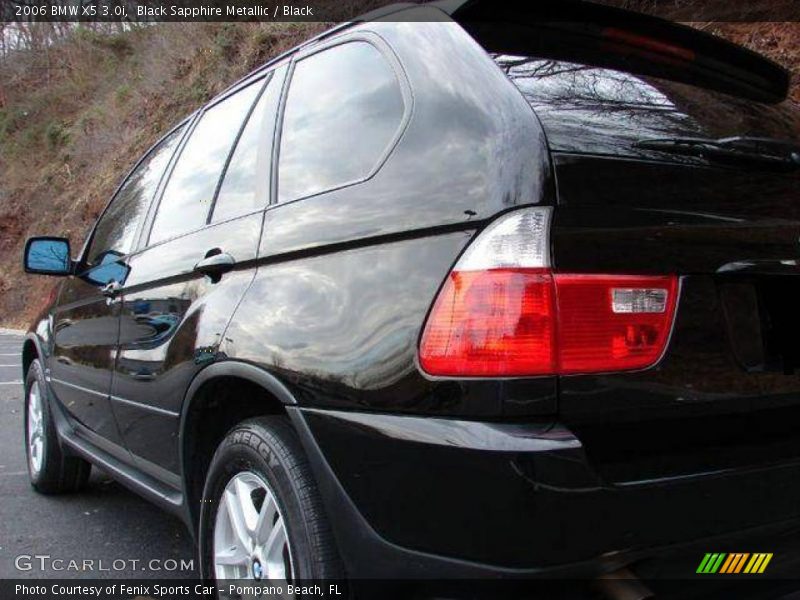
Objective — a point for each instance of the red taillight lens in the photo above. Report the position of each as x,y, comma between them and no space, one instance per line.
492,323
613,322
520,322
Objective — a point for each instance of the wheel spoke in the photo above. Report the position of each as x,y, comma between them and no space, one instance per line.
35,429
236,518
244,492
232,556
273,551
265,519
33,413
273,545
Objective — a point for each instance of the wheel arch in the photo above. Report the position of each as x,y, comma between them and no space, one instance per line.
205,419
240,370
31,350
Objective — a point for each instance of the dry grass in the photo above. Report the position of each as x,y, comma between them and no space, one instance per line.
778,41
69,129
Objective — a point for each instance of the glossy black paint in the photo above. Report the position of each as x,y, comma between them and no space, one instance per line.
172,322
732,227
347,277
522,499
322,299
472,150
85,335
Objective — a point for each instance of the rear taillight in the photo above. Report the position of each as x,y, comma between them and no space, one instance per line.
503,313
613,322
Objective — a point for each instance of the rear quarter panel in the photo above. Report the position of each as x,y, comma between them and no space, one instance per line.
346,278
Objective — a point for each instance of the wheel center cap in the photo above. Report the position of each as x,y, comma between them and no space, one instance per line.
258,570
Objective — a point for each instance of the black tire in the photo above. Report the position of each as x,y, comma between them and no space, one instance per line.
269,448
59,472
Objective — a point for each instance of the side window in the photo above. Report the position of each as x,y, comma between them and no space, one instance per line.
117,227
190,190
343,109
246,181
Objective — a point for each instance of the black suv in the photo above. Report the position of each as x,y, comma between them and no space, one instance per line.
446,292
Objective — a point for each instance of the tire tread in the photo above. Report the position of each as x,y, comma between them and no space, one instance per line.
279,435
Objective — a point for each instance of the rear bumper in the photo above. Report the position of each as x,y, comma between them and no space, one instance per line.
421,497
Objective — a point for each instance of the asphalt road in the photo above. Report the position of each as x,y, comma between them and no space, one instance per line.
104,521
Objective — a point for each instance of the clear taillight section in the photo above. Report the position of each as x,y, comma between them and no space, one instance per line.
503,313
518,240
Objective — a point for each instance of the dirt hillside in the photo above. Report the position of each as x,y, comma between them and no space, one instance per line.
74,119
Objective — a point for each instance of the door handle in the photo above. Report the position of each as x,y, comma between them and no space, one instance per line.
111,289
143,376
215,265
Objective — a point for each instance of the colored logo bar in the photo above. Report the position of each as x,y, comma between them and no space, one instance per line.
734,563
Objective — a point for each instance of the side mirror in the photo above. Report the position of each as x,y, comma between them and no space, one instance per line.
48,256
108,270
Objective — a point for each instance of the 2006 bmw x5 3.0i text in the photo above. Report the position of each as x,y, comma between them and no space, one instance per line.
442,295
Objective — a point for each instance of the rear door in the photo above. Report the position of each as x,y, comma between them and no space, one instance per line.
86,321
175,312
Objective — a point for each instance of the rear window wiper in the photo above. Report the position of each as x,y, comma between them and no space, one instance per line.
764,152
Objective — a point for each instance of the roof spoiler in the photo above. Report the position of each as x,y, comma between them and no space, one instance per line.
611,37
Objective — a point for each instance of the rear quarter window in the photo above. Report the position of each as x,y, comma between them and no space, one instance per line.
343,110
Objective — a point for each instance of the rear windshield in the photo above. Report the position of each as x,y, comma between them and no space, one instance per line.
595,110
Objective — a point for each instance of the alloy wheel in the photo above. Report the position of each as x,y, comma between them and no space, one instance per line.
35,429
250,537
